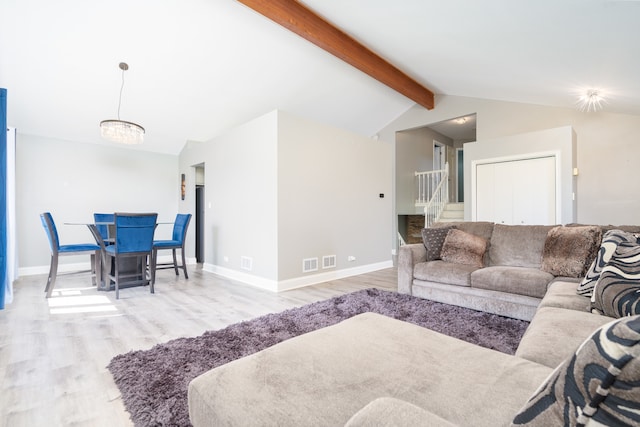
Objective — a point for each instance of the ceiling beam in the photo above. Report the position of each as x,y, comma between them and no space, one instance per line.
306,23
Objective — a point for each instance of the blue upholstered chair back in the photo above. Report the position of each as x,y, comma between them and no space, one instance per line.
180,227
134,232
51,230
100,219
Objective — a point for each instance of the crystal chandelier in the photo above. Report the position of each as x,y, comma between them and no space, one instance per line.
120,130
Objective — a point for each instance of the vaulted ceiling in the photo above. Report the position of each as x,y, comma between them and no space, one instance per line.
199,67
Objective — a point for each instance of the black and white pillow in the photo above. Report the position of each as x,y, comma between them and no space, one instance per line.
617,292
598,385
610,242
433,239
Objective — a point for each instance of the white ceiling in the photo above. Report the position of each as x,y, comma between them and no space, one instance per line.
199,67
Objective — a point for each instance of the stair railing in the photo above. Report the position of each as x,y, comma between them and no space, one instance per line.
438,197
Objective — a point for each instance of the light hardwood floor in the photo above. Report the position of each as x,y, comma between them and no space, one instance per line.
54,353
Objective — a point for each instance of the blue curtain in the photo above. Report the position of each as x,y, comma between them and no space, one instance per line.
3,195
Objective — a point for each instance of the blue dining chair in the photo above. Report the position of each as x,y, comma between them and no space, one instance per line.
177,241
58,250
133,241
102,222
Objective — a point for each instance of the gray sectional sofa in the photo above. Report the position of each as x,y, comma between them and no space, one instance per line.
511,283
571,366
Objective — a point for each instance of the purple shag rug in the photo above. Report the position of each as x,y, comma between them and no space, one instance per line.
154,382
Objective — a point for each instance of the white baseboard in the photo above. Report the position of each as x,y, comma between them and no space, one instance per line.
80,266
298,282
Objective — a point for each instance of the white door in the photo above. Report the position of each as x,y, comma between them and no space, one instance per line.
534,196
517,192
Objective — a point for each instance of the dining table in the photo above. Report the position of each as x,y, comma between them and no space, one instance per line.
129,265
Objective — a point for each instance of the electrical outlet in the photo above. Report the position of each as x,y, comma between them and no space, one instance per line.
351,258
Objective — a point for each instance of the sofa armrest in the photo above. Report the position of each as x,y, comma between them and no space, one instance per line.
408,257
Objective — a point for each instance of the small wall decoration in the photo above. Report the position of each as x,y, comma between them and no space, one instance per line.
183,186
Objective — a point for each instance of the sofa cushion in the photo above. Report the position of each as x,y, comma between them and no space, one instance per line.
518,245
561,293
444,272
555,333
324,377
465,248
569,251
610,241
617,292
598,385
433,239
390,412
516,280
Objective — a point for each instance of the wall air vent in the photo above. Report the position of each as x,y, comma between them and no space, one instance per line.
329,261
309,264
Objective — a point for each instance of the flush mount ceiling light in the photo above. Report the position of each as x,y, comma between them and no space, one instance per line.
119,130
591,100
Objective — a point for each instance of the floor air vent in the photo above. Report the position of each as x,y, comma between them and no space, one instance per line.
309,264
329,261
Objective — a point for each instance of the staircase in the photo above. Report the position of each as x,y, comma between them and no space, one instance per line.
452,212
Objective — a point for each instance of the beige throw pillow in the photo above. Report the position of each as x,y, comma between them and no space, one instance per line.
463,248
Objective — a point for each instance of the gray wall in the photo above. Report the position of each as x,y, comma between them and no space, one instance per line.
329,186
608,146
240,181
414,153
560,141
281,188
74,180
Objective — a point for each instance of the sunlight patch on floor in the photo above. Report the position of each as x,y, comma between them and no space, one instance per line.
72,301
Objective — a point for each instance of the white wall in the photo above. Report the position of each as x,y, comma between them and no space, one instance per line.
608,146
74,180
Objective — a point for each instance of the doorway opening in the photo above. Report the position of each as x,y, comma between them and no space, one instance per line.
439,159
460,175
200,214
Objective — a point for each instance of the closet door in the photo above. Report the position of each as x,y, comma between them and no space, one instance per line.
534,196
517,192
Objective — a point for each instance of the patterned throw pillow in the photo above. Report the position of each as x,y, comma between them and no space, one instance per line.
433,239
568,251
598,385
610,242
617,292
464,248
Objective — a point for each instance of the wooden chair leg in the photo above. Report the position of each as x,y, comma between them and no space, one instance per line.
98,269
117,276
106,272
154,263
152,278
94,271
184,264
53,273
175,261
